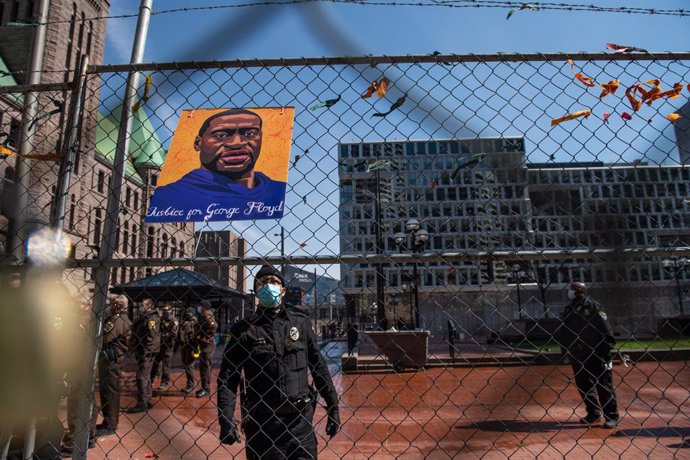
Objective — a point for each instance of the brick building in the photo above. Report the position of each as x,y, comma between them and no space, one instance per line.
71,33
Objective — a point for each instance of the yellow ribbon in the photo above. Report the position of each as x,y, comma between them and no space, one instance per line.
572,116
145,97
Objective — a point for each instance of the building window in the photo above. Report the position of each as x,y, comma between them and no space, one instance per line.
173,248
128,197
14,11
181,250
164,246
100,184
97,222
13,135
117,237
136,200
125,239
149,243
133,247
70,216
154,180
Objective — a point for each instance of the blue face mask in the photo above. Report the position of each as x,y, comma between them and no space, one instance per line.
269,296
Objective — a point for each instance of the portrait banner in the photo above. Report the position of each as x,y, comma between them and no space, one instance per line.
225,165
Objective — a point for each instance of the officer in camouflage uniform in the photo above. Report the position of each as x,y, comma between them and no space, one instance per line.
186,343
161,363
206,342
587,339
146,343
116,336
274,351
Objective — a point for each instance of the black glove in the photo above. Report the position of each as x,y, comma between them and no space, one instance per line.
229,434
333,425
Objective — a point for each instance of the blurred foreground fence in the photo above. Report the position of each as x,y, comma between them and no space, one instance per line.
447,196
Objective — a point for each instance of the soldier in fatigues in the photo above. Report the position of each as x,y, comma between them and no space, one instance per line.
206,341
186,343
587,339
161,363
274,350
146,343
116,336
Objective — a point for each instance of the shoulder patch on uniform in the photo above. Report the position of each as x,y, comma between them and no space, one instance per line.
108,326
152,324
603,315
176,323
294,334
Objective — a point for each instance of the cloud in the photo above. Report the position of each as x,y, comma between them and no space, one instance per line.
119,36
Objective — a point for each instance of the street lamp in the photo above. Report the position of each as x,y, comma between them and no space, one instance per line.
420,237
518,274
677,265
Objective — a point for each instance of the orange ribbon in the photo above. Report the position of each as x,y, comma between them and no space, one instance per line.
572,116
671,93
608,88
672,117
379,86
587,81
645,95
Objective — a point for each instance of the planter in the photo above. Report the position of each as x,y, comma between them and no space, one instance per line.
403,349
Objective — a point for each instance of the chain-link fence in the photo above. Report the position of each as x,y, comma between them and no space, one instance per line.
438,211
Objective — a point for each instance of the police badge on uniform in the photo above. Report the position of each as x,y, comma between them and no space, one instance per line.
294,334
152,324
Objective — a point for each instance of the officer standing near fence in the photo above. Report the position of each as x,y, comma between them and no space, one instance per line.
274,350
587,339
206,340
161,363
186,343
146,343
117,330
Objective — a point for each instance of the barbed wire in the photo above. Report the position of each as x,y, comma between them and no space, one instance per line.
398,3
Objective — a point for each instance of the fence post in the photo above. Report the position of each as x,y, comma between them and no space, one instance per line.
81,438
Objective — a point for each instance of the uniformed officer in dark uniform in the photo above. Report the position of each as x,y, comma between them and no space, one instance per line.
186,343
587,339
146,343
117,330
274,349
161,364
206,342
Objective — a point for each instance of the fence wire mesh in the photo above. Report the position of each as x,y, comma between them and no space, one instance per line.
431,233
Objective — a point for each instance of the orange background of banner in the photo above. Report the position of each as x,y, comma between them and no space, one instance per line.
275,146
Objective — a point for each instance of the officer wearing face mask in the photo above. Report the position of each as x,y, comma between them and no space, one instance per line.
588,341
273,351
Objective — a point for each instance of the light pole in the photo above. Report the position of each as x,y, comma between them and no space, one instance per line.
282,250
517,274
677,265
420,237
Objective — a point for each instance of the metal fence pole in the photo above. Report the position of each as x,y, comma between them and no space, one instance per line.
102,278
57,215
17,227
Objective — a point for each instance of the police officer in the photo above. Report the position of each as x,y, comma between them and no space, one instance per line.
161,364
206,343
186,343
274,349
146,343
116,336
587,339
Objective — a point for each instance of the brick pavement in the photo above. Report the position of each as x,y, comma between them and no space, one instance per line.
487,412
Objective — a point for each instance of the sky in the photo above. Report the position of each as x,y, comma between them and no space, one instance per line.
534,92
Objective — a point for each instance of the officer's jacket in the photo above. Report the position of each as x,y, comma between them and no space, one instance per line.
187,334
275,352
585,330
116,334
146,337
168,332
206,331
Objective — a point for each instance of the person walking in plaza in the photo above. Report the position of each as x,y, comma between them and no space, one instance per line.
117,331
146,343
186,344
587,339
206,340
161,364
272,353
